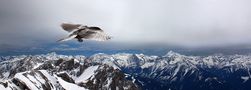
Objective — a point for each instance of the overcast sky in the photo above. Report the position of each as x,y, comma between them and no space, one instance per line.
182,22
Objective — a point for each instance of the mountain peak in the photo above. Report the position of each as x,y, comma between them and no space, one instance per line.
172,53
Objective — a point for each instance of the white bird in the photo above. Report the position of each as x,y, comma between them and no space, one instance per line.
80,32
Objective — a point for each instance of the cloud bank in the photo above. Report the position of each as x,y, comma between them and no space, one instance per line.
181,22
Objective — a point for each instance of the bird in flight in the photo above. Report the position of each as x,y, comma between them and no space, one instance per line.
83,32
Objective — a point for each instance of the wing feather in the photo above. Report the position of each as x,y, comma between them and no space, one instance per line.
97,35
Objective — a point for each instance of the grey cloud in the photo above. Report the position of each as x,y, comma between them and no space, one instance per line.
183,22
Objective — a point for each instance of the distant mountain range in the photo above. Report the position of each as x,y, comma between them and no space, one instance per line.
125,71
89,48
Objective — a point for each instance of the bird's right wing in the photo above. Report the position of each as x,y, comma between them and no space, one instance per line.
70,27
67,38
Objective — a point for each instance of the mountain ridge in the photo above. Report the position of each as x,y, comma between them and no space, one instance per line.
171,71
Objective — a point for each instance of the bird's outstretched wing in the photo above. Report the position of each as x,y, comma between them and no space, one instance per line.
70,27
97,35
67,38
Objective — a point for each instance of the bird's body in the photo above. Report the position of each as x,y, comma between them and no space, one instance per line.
81,32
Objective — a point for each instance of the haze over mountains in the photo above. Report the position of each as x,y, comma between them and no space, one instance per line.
89,48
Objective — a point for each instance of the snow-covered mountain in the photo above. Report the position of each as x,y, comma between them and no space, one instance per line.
179,72
59,72
125,71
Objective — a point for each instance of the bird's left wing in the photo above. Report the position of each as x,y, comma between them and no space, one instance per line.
67,38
